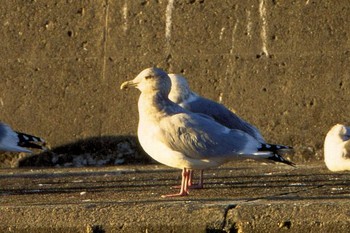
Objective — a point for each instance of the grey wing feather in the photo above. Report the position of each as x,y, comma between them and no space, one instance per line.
9,140
199,137
2,130
223,116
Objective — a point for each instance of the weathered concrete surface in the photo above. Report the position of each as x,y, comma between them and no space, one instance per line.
238,197
281,65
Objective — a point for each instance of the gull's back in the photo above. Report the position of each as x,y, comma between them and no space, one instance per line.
223,116
182,95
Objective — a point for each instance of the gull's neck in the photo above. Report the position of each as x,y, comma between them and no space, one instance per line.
334,138
155,106
183,97
191,97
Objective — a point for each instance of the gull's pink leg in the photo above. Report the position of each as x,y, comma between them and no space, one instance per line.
190,181
184,185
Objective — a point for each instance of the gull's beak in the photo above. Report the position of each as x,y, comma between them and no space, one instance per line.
127,84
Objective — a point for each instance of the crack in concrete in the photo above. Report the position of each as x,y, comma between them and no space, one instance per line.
233,37
232,227
168,23
249,24
228,227
105,41
125,16
263,34
168,20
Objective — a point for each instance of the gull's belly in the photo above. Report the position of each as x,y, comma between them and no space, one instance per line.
165,155
334,156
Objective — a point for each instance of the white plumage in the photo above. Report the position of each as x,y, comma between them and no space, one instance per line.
182,95
337,148
182,139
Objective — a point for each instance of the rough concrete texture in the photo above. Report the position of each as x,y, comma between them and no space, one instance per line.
238,197
283,66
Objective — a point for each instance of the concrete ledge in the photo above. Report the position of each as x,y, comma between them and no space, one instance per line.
238,197
320,216
179,217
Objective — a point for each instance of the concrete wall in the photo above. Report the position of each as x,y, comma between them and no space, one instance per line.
281,65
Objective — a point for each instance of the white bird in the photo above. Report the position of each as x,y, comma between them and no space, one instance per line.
182,139
337,148
182,95
13,141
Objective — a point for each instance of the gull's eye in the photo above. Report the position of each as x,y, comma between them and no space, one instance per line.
148,77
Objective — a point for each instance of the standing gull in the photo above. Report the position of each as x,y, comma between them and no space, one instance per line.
337,148
13,141
182,95
182,139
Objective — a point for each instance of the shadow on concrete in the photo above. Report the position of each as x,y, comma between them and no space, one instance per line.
126,181
94,151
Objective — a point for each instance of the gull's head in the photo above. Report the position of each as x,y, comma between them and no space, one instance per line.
341,131
150,79
180,90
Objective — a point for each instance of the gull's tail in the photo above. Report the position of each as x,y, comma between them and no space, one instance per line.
30,141
276,150
18,142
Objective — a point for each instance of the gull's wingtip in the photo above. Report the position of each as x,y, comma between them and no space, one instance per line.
280,159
